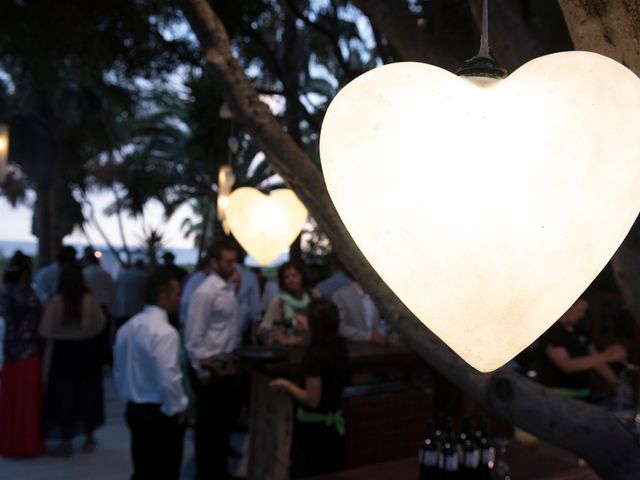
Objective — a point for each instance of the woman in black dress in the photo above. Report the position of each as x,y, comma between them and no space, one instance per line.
318,437
72,324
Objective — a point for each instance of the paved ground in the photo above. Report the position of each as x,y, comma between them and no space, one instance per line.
110,461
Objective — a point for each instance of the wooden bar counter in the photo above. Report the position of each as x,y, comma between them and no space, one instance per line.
385,418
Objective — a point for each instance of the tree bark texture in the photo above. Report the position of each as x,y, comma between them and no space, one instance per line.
609,27
612,28
572,425
43,223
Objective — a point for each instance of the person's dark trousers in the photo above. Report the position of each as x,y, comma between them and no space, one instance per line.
156,442
217,411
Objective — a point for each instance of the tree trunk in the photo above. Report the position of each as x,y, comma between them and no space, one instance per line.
613,29
43,223
572,425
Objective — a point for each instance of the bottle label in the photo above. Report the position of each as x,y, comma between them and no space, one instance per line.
429,458
472,459
488,456
451,463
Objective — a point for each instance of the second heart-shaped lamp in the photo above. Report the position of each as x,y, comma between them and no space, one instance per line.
265,225
487,205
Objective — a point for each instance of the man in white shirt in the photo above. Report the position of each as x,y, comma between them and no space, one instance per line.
212,328
148,376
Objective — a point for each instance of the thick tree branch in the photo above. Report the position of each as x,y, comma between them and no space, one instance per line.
255,116
290,89
530,406
609,28
328,34
572,424
613,29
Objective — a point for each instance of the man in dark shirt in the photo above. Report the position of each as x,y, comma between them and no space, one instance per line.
568,356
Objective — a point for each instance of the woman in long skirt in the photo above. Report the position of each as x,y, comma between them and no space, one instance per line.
20,378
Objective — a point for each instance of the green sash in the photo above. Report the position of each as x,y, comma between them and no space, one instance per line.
330,419
572,392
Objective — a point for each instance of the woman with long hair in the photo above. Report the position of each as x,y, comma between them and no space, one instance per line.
20,378
286,318
318,436
72,323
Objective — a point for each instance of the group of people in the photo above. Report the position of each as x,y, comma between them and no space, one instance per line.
220,310
69,320
56,336
161,326
51,382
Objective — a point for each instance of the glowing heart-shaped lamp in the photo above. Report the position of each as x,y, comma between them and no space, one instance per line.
265,225
487,205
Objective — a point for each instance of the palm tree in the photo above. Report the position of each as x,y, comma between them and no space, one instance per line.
68,104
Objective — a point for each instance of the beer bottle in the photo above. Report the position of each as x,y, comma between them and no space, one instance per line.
449,454
428,456
487,452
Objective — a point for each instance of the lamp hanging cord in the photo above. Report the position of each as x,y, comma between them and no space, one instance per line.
483,64
484,37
